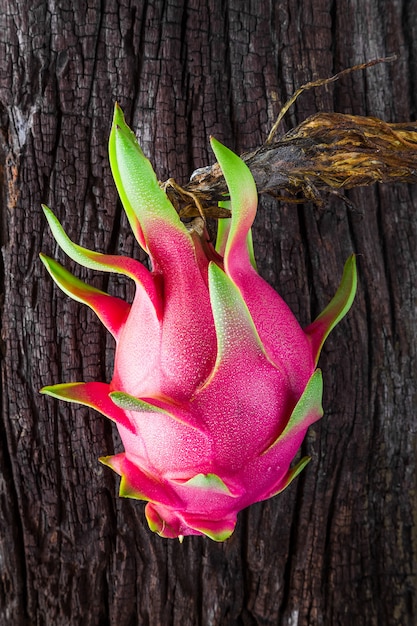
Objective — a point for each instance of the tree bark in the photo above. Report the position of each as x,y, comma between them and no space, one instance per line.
339,545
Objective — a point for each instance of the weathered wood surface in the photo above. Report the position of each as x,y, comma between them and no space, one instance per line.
338,547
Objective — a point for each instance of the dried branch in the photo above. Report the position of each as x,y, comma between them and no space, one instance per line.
326,153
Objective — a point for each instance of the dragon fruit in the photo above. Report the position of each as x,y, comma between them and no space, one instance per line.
215,383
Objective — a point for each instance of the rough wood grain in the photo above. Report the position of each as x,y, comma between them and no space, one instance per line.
338,547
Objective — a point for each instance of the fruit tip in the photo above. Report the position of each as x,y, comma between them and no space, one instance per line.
118,117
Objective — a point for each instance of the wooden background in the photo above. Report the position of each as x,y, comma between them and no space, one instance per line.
339,546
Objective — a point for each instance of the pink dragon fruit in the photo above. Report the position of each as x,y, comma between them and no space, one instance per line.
215,383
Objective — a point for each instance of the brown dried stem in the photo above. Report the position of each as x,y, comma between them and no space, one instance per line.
326,153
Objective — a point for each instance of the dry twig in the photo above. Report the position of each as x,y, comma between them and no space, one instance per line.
326,153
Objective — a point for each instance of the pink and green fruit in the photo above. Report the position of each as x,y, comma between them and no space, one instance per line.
215,383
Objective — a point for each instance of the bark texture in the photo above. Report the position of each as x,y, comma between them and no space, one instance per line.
339,546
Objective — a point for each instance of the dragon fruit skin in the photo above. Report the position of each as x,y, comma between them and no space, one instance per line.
215,383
